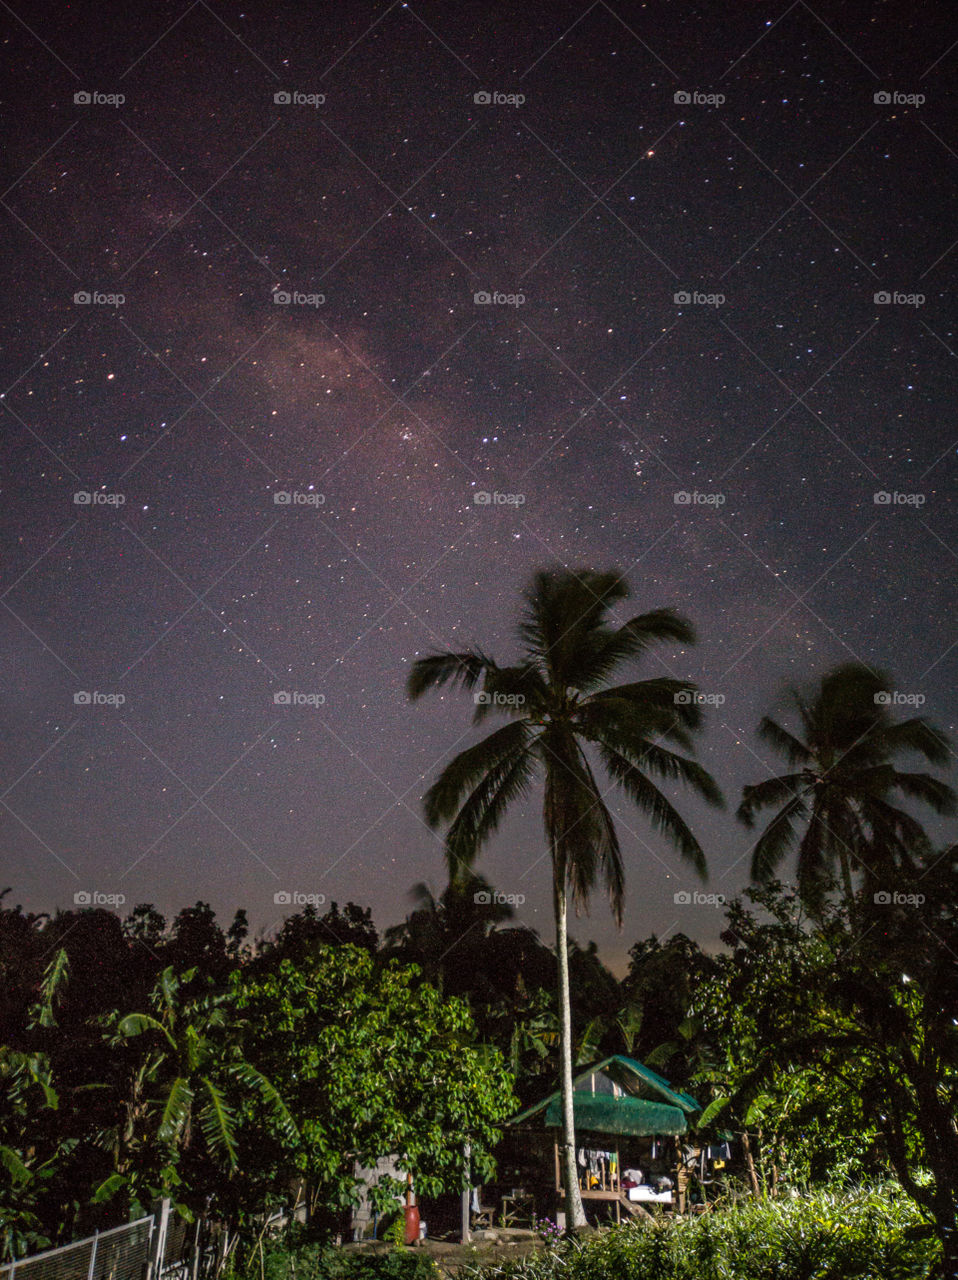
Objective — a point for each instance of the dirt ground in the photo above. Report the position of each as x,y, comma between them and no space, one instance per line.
493,1246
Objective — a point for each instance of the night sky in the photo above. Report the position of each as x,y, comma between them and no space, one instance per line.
689,215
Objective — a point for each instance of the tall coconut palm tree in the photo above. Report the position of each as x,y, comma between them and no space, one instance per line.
844,792
560,713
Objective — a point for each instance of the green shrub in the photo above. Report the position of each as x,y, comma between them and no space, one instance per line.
858,1235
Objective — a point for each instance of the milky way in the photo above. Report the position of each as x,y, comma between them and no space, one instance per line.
719,247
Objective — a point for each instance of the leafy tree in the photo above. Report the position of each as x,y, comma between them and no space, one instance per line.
844,788
560,709
849,1037
373,1062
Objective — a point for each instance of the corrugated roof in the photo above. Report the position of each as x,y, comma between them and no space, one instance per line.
636,1080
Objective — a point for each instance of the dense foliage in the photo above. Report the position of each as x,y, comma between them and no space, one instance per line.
864,1235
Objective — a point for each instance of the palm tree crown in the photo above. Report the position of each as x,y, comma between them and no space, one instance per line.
558,704
845,784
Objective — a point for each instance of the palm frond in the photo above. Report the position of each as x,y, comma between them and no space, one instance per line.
438,669
466,770
666,764
137,1024
778,838
217,1122
257,1083
921,737
663,816
176,1112
773,791
786,744
612,647
479,817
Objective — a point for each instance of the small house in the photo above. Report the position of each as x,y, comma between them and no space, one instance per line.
628,1124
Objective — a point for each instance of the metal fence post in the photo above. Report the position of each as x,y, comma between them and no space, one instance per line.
89,1273
158,1251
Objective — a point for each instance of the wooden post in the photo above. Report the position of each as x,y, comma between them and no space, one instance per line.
681,1184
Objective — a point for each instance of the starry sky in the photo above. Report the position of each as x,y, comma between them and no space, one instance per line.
249,249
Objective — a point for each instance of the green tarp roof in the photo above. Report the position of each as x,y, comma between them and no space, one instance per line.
648,1105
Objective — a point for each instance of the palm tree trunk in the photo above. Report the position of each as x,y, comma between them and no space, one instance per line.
574,1213
848,886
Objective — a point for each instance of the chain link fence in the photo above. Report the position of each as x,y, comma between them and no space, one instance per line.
123,1253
